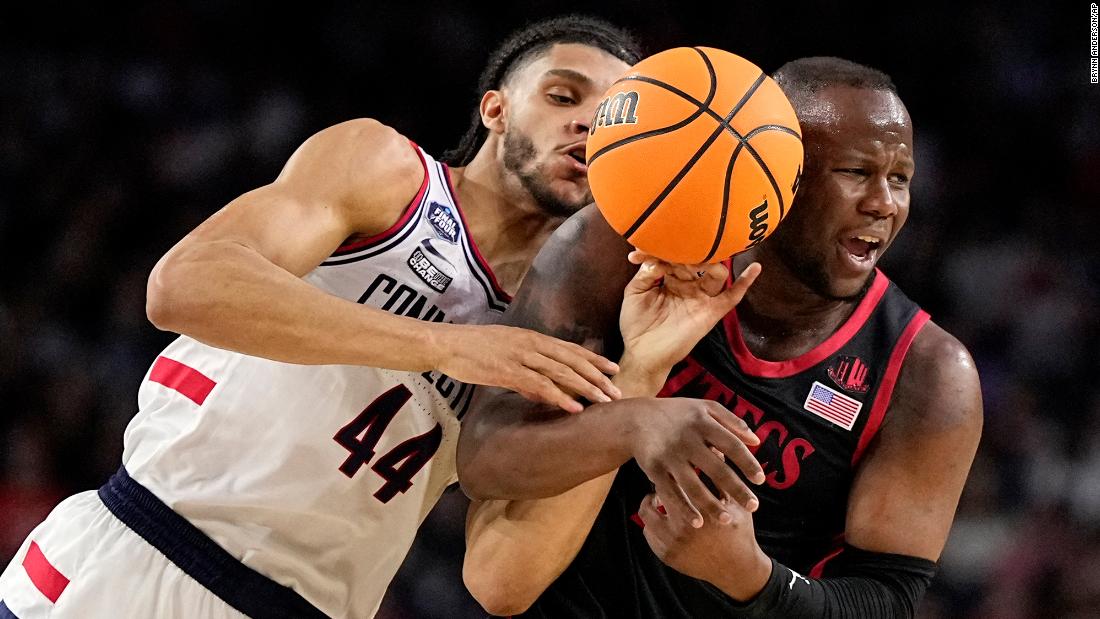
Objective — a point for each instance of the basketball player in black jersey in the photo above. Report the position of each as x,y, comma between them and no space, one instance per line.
859,417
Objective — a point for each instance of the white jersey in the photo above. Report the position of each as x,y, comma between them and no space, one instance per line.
319,476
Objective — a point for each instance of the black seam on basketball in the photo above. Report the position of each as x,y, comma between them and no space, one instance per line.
744,99
672,184
701,107
763,128
768,173
676,91
725,204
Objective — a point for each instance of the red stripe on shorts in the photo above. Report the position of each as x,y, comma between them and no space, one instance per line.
184,379
44,575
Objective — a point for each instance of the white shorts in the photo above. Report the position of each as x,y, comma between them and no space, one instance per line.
82,562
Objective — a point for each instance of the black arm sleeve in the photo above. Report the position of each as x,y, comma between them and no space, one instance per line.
858,584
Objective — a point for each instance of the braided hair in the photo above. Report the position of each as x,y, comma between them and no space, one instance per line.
524,45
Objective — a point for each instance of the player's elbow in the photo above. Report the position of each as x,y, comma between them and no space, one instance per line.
497,595
172,293
160,303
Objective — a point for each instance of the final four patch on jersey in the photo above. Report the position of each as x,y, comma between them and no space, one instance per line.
430,266
832,405
443,221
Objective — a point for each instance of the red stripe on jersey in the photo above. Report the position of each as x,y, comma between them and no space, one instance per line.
886,387
184,379
501,292
818,570
43,574
356,243
782,369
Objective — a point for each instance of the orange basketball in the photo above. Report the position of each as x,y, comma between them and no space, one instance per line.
694,155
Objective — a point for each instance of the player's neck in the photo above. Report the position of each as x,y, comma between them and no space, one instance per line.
779,310
505,222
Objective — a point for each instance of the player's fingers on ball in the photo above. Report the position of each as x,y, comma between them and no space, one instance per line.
648,276
637,256
676,502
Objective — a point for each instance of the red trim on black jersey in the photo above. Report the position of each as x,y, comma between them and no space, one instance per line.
819,569
355,243
889,379
503,294
782,369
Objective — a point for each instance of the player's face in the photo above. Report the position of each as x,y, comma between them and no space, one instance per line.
854,194
550,103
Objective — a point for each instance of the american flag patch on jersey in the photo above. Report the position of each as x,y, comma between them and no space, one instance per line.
832,405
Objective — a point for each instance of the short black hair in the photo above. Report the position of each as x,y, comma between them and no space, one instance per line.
807,76
525,44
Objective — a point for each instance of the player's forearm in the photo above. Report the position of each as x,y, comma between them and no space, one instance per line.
515,449
227,295
515,549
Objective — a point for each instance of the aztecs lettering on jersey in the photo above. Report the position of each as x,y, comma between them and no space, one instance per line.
437,274
788,453
443,221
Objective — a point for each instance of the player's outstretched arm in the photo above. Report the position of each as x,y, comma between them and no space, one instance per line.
235,281
900,509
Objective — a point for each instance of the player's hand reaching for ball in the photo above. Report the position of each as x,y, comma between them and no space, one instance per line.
667,308
537,366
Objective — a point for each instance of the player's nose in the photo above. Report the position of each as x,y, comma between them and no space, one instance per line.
579,126
879,202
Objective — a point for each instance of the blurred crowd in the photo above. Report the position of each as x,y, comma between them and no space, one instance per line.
121,129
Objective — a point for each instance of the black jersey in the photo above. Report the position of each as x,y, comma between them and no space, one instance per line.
815,416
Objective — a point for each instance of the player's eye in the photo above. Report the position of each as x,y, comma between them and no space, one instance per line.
561,99
899,179
853,171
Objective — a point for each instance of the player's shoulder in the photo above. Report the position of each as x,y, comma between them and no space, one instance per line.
939,384
363,167
365,146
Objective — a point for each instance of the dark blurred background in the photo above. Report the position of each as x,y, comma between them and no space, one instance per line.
123,128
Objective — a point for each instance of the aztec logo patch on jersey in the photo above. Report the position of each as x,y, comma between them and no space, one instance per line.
438,273
443,221
849,373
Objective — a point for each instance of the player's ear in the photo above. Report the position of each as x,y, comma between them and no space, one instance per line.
492,111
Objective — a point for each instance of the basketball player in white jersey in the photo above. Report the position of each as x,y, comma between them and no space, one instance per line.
274,469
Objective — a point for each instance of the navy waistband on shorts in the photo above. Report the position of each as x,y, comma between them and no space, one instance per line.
200,557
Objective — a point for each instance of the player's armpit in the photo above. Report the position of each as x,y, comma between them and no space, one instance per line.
907,487
515,549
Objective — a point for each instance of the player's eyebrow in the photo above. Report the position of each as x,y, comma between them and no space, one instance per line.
570,74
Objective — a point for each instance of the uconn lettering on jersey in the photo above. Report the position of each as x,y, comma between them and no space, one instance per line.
390,295
780,454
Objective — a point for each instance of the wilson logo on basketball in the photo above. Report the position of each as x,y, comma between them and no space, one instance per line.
618,109
758,223
850,374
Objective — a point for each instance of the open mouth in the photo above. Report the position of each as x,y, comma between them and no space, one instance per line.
577,154
862,248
